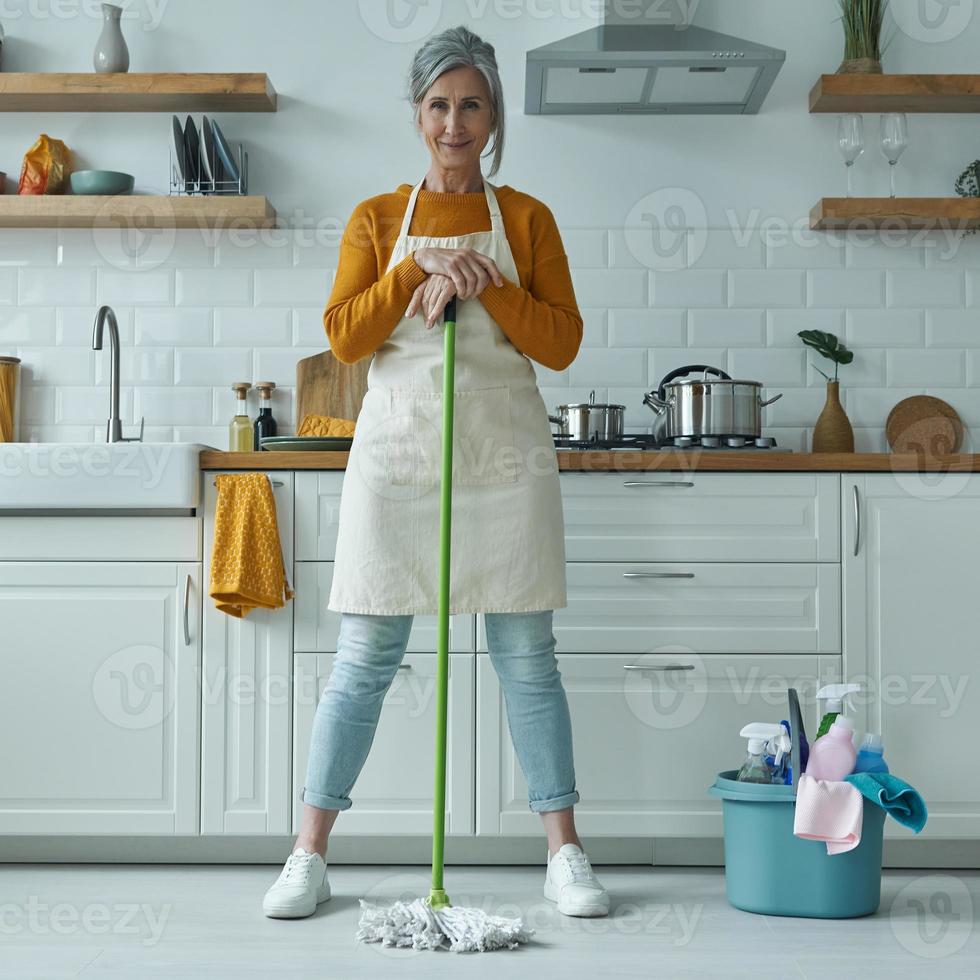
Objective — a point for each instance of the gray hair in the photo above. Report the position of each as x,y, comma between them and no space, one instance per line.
459,47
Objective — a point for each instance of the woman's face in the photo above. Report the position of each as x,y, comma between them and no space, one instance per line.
455,119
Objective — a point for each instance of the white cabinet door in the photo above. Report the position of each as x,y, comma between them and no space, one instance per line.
246,698
704,607
910,633
394,792
317,628
318,514
647,742
99,702
696,516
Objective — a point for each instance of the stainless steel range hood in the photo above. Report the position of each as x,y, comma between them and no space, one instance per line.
643,68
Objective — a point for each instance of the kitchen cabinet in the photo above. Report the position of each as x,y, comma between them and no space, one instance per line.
246,698
394,793
99,701
649,734
911,570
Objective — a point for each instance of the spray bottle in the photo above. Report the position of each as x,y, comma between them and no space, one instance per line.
835,698
778,755
755,769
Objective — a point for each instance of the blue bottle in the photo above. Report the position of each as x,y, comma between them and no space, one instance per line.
871,755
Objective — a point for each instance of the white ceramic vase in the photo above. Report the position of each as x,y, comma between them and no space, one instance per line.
111,53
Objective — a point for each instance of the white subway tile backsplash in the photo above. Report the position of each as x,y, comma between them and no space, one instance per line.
800,248
647,248
664,360
206,366
39,286
184,327
586,248
849,288
28,246
74,406
725,248
250,249
943,368
869,407
884,328
866,370
139,365
216,436
688,288
59,365
214,287
254,328
610,287
76,326
778,366
797,407
930,287
28,326
647,328
173,406
293,287
153,287
784,325
595,331
953,328
271,364
727,328
37,402
308,329
951,250
604,367
317,249
884,252
766,288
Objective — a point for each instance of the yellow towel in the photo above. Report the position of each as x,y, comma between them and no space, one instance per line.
325,425
247,568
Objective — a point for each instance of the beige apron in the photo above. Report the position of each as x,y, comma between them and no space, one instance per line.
508,534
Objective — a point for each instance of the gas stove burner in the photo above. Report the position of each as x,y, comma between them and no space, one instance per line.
640,441
722,442
647,442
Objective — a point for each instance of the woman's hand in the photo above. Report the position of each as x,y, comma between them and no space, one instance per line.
470,271
431,298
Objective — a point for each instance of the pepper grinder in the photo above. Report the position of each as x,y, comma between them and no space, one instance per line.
265,424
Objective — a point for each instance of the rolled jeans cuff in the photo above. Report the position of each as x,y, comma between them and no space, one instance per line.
326,802
558,803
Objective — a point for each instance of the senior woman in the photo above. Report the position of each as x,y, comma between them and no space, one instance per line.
499,252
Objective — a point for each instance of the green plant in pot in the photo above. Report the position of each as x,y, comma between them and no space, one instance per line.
833,432
862,21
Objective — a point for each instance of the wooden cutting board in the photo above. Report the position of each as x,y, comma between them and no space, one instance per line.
327,386
924,424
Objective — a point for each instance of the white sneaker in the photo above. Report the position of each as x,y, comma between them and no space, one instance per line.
301,886
571,882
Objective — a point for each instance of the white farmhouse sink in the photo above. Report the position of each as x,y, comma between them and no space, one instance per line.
103,476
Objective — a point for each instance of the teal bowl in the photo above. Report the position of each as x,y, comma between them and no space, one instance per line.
101,182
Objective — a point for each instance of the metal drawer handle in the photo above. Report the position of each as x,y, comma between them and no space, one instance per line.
857,520
656,667
658,574
275,483
404,666
646,483
187,595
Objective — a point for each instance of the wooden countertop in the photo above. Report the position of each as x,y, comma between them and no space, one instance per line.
684,460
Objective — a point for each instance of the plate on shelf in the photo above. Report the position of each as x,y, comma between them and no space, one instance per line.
224,154
180,149
924,424
307,443
192,144
211,161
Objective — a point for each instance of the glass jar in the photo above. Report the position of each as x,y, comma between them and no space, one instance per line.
9,398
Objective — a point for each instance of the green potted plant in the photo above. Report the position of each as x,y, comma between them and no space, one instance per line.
833,432
862,20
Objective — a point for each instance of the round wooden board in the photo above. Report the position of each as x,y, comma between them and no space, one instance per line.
924,424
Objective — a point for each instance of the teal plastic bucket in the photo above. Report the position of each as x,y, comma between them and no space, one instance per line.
770,871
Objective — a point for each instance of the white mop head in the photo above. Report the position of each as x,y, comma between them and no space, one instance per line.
419,925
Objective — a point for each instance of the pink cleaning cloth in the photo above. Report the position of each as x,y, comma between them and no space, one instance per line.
830,811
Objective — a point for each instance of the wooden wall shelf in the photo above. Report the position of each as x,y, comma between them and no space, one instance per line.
136,92
134,211
896,93
896,212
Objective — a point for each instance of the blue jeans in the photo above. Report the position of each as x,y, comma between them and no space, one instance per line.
370,648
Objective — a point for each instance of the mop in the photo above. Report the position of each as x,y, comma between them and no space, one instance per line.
433,922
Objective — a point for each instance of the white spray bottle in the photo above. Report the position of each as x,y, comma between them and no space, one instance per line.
834,697
755,769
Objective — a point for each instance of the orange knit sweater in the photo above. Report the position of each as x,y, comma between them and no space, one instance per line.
539,314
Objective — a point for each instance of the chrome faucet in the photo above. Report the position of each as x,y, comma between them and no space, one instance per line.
114,425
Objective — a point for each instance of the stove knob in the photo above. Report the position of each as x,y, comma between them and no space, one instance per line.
683,442
710,442
736,442
765,442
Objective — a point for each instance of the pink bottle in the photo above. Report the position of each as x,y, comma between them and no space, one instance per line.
832,755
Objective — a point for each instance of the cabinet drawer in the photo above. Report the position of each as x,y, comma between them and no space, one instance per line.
317,628
648,742
318,514
656,516
717,607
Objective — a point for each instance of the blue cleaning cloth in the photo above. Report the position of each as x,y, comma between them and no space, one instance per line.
893,795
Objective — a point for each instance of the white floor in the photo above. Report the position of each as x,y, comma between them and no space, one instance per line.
181,922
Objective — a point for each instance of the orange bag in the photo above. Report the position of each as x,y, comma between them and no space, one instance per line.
46,167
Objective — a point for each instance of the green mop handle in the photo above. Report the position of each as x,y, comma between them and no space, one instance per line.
437,897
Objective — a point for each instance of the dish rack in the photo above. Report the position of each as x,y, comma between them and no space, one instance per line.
208,185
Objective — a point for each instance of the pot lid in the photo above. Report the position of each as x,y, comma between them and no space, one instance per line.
710,381
590,405
4,359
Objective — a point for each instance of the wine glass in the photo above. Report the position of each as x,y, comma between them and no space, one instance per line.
894,140
850,138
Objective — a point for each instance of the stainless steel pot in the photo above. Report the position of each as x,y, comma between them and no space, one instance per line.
588,422
706,407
